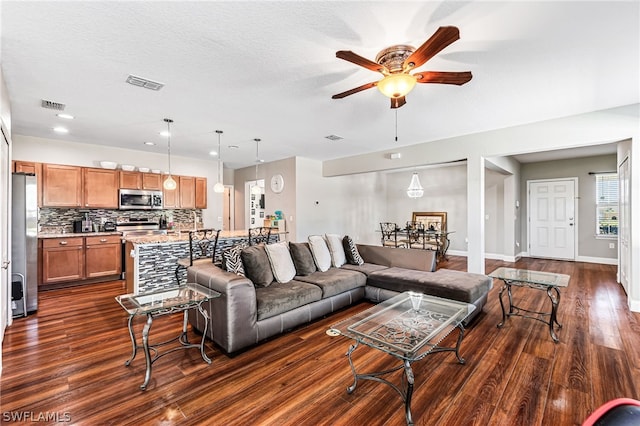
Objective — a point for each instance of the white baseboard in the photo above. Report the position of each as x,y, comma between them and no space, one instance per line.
602,260
634,305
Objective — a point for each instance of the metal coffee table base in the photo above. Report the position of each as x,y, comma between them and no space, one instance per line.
514,311
182,339
405,390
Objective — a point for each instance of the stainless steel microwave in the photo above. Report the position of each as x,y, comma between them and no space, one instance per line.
139,199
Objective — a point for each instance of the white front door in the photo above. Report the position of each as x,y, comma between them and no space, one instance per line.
552,218
624,216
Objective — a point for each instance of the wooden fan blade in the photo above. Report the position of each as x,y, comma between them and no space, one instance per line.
443,77
348,55
443,37
398,102
356,90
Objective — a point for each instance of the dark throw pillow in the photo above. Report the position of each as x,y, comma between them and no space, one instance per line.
302,258
257,266
351,251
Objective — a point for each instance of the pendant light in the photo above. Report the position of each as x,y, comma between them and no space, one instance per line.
219,186
415,190
256,190
169,183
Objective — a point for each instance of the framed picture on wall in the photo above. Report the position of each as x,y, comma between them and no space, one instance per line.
432,221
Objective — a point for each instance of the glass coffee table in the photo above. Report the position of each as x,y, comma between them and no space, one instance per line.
536,280
409,327
160,303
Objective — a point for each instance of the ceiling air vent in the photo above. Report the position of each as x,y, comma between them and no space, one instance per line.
52,105
334,137
143,82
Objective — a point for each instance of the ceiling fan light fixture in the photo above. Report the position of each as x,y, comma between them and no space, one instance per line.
396,85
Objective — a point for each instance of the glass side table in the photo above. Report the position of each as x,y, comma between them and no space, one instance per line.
160,303
536,280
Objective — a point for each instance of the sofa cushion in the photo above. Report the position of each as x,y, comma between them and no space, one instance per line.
320,251
445,283
335,280
302,258
334,243
365,268
279,298
231,260
256,265
351,251
281,263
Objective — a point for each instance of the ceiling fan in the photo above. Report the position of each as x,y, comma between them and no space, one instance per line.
395,63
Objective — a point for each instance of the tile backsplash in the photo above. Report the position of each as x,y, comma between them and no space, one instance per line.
52,220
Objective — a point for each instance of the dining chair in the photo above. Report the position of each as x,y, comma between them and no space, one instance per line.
202,249
390,231
419,237
260,234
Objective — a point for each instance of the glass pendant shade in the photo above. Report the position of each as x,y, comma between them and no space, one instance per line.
415,190
396,85
170,183
219,186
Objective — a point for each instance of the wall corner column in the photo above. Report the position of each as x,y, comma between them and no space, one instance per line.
475,214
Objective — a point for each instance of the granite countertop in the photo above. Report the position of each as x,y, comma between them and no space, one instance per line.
182,236
43,235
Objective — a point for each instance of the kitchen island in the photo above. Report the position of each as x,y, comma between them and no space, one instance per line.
151,260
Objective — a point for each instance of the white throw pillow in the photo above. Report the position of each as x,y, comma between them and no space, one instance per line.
320,252
334,242
281,262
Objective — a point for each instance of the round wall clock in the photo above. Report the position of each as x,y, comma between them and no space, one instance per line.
277,183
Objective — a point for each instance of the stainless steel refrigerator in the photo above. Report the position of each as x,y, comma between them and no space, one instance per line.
24,244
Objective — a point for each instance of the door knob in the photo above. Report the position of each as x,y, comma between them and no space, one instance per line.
5,264
571,224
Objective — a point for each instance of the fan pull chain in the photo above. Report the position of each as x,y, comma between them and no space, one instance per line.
396,111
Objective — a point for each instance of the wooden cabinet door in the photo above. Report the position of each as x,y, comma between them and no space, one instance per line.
33,168
171,199
201,193
103,256
62,260
130,180
152,181
100,188
187,192
61,186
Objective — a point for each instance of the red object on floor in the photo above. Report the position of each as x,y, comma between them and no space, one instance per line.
618,412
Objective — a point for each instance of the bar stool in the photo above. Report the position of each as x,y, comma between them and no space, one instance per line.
202,249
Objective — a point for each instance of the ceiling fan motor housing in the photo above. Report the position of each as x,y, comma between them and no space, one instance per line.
393,57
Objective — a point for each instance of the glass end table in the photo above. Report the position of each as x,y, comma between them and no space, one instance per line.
408,326
164,302
545,281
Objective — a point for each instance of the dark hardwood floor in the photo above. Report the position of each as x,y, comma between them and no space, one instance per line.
67,360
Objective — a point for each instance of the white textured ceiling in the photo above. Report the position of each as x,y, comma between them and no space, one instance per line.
268,69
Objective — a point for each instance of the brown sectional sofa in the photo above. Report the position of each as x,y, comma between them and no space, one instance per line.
246,314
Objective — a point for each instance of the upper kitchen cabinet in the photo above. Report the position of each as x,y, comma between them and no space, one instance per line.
187,192
201,193
31,168
130,180
152,181
171,198
61,186
100,188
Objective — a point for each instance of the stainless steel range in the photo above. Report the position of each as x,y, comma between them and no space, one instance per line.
136,227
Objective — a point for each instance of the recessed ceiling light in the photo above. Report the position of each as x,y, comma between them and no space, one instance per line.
164,133
66,116
233,146
149,143
334,137
214,153
60,130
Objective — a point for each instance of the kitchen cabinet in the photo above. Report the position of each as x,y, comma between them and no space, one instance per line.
100,188
103,256
32,168
171,198
152,181
187,192
201,193
62,260
61,185
130,180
